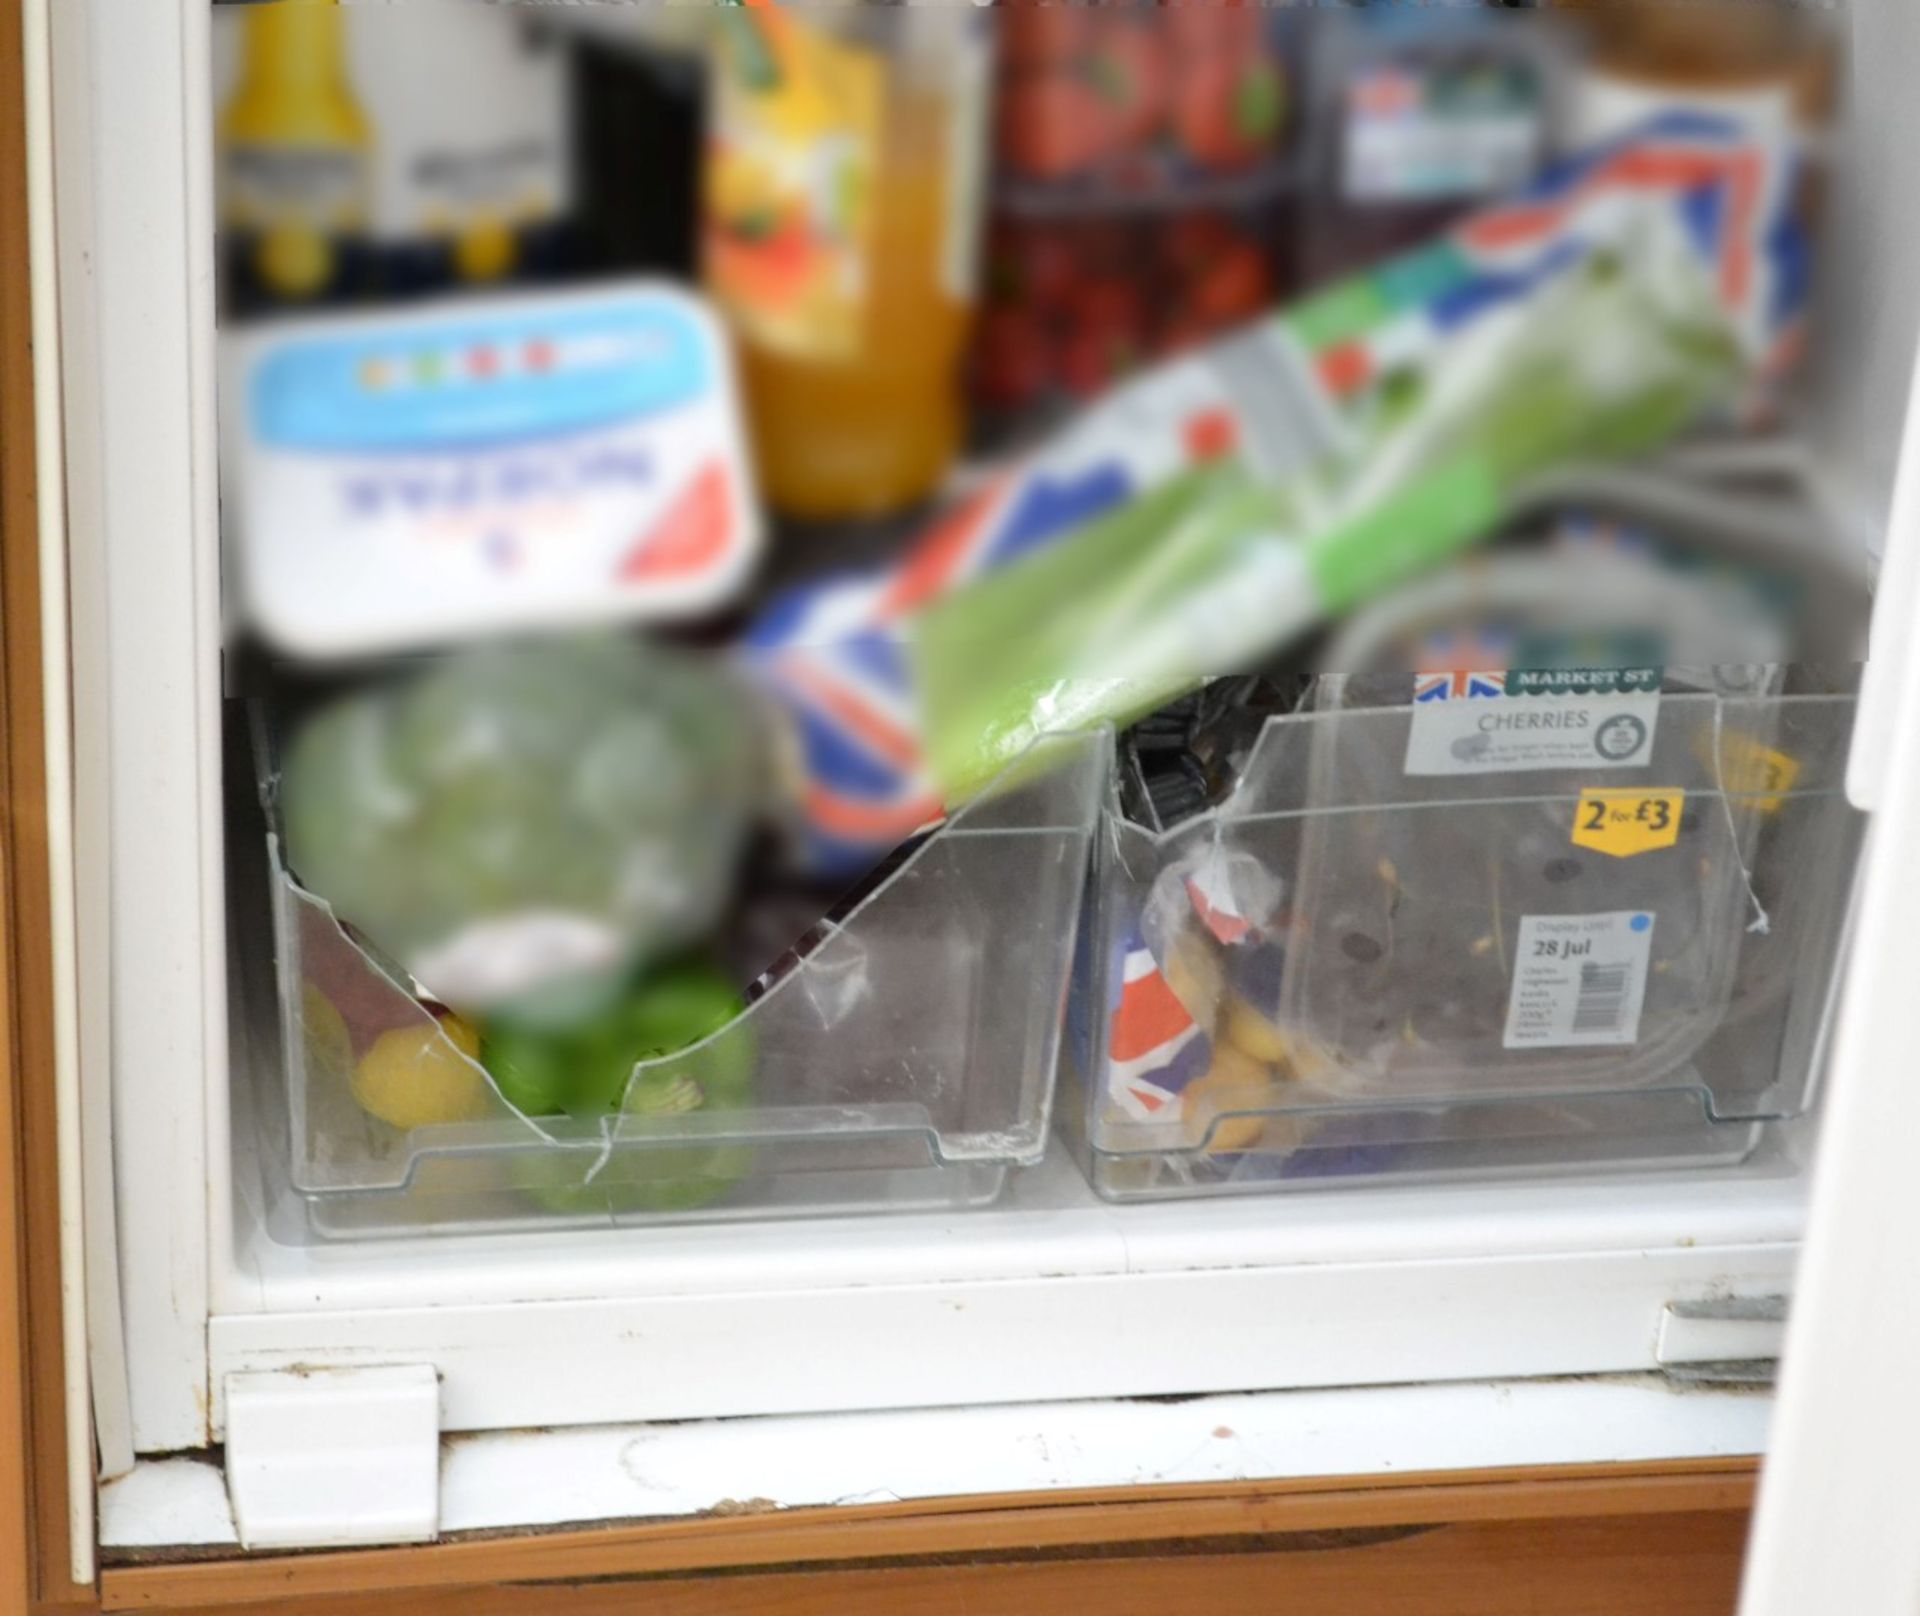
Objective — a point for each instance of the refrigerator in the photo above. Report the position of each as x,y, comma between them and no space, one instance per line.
949,1267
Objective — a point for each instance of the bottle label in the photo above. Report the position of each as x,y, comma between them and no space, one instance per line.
271,186
471,122
791,175
291,207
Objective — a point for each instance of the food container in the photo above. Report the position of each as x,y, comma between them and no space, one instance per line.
1415,115
1362,967
1141,161
841,240
905,1060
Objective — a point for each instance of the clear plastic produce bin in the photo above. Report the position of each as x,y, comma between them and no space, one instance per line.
1350,970
906,1061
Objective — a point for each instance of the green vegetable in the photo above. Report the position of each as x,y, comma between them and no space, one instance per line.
588,1073
522,827
1214,570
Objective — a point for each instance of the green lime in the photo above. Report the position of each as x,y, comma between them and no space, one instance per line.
588,1073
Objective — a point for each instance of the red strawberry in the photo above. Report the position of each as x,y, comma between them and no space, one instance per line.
1054,126
1010,359
1044,33
1235,287
1110,304
1050,269
1197,28
1179,334
1129,68
1092,360
1194,240
1106,335
1227,111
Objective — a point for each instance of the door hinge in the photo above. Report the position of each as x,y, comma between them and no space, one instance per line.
1731,1340
320,1458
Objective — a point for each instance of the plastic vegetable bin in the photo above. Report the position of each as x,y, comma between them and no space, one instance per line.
1353,971
906,1061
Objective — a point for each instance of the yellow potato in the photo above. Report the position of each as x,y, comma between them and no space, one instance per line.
414,1076
1256,1034
1235,1082
1194,973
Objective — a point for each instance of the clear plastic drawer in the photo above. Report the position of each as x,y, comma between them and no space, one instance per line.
1360,965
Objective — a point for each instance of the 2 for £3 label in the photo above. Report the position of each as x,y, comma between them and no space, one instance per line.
1625,823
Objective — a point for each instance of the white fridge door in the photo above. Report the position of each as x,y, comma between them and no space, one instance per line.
1838,1528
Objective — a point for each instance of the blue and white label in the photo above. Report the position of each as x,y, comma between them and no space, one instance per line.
486,466
1475,723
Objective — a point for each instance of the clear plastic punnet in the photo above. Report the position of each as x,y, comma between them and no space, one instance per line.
1609,942
906,1060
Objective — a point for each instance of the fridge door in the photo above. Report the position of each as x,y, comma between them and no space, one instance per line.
1835,1524
1834,1529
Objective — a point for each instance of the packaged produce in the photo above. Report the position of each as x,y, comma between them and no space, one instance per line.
1768,66
1141,159
1138,98
464,468
1352,968
519,829
1210,511
1418,114
1078,303
671,1095
841,224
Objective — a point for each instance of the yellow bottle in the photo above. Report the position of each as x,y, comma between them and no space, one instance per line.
841,197
295,147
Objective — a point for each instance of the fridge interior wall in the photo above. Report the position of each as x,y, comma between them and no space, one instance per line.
1050,1223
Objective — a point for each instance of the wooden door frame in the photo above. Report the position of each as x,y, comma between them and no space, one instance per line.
34,1547
1685,1563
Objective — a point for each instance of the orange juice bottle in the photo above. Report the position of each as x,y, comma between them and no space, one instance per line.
842,196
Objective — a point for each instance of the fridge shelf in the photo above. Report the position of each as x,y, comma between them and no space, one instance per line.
906,1062
1352,971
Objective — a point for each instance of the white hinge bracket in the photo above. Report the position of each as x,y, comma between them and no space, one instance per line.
1732,1339
320,1458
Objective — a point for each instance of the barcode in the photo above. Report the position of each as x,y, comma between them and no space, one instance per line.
1602,1002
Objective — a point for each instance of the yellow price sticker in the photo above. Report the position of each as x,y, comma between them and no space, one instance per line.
1624,823
1750,770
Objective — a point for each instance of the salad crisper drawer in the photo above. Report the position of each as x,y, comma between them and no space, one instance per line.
906,1061
1349,971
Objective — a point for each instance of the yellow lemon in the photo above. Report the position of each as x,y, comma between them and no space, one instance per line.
328,1045
414,1076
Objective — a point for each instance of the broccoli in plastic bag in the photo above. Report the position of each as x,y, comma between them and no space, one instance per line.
523,827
